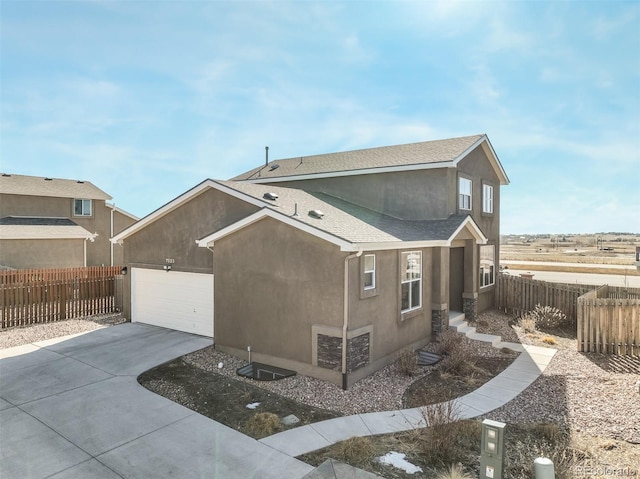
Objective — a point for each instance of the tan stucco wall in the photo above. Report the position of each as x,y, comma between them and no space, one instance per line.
412,195
382,310
174,235
27,254
272,283
98,251
477,167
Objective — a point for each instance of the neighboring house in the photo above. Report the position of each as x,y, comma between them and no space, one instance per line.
57,223
328,265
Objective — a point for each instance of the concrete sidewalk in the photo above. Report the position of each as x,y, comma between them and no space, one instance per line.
526,368
72,408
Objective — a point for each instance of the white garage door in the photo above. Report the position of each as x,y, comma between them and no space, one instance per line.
175,300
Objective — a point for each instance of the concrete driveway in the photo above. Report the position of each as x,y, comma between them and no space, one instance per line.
73,409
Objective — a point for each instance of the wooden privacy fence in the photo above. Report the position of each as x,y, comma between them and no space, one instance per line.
57,274
44,296
609,321
517,295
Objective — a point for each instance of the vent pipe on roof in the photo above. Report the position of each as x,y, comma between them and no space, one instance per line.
295,211
266,154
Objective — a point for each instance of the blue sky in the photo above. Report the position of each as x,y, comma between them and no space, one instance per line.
147,99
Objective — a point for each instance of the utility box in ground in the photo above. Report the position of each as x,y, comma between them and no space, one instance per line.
492,449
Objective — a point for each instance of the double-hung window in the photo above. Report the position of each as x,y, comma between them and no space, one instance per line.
369,271
81,207
464,194
487,199
411,280
487,265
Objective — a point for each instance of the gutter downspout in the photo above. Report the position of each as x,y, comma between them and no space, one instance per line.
210,248
113,208
345,323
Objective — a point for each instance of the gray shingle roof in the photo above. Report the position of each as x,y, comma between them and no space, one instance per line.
52,187
428,152
33,221
346,220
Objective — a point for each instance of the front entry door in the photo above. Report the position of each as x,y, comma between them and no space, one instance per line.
456,278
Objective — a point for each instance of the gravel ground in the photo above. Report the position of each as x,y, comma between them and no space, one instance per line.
40,332
592,394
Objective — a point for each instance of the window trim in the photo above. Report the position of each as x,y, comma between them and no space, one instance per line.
462,195
492,267
367,271
83,200
487,199
403,281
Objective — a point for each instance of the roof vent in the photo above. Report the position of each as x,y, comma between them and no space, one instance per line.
6,174
48,179
316,214
270,196
81,182
274,167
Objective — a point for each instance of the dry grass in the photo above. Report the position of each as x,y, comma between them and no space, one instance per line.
448,341
455,471
263,424
407,362
528,324
549,340
355,451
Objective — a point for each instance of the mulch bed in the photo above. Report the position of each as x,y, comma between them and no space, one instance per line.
224,399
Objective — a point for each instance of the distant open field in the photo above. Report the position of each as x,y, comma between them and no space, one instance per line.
580,254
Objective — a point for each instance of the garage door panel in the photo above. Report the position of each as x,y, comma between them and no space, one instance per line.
175,300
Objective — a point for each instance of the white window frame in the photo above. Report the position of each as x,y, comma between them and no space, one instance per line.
85,203
408,277
487,266
465,188
487,198
371,271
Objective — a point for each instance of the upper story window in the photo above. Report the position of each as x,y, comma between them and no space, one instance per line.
81,207
369,271
464,194
487,265
487,199
411,280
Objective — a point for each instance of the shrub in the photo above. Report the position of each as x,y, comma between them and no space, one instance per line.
455,471
549,340
527,323
263,424
448,341
355,450
457,361
442,440
407,362
548,317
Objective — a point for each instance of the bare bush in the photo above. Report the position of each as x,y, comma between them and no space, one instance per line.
548,317
448,341
407,362
441,440
456,362
527,323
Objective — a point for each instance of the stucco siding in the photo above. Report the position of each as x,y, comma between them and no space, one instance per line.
272,284
174,235
412,195
391,331
27,254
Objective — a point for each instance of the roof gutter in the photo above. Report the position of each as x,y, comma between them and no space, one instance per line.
345,322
